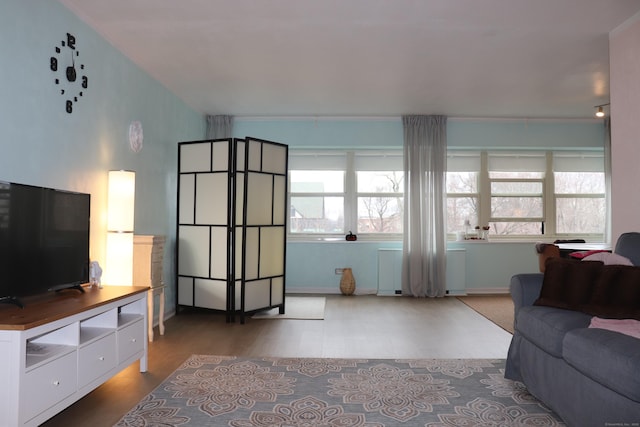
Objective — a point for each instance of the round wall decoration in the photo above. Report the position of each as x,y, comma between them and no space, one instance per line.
135,136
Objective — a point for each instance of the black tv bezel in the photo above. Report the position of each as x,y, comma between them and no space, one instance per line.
17,298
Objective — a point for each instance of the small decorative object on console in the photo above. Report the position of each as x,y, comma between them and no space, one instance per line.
95,274
481,233
351,237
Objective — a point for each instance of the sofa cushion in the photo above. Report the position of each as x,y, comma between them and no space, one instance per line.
608,357
616,293
629,327
608,258
568,283
547,326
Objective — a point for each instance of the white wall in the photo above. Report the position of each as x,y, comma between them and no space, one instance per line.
624,50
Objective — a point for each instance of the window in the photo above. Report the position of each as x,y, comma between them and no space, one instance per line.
317,201
463,169
379,192
579,193
520,193
317,192
516,186
332,193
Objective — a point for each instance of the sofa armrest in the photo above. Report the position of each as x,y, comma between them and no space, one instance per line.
525,289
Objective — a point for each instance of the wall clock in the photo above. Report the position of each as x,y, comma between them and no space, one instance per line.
135,136
70,76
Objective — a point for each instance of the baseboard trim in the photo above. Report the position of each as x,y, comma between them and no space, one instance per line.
493,291
328,290
390,292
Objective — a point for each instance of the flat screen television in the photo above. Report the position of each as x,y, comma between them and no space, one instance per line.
44,240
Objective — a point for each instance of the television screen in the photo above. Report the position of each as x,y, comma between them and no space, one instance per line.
44,239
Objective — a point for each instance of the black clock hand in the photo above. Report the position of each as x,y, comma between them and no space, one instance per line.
71,71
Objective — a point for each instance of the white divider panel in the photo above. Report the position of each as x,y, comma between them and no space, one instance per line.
274,159
211,198
239,198
255,155
195,157
280,200
251,227
219,253
251,255
185,290
193,256
240,144
185,205
260,199
271,251
220,156
211,293
257,295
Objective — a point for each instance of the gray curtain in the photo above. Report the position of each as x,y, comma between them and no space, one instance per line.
607,178
424,244
219,127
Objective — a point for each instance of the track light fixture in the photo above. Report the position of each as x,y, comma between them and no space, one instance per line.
600,110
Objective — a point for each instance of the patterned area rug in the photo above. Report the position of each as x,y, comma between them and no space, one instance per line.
240,392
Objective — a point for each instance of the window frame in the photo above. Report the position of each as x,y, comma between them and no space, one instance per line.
351,194
381,194
549,198
483,196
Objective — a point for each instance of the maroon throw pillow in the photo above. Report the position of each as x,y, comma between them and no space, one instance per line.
616,294
568,283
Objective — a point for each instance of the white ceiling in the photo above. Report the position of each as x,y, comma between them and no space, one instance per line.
461,58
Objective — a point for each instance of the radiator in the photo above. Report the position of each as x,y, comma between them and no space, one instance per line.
390,271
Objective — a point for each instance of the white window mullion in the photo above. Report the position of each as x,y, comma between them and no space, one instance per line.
549,201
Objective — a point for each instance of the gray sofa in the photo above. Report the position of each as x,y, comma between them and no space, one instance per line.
588,376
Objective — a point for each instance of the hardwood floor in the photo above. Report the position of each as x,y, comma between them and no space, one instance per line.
354,327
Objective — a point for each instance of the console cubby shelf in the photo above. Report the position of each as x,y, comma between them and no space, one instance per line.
89,334
127,318
63,345
39,354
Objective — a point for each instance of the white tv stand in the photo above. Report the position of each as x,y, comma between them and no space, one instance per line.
63,345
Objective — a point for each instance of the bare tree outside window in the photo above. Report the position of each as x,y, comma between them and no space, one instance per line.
380,201
580,202
462,200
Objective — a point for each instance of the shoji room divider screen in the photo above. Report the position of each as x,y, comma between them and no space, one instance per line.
231,226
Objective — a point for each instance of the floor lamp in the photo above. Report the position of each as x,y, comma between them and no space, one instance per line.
120,215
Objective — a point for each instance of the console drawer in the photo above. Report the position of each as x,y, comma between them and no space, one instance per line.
48,384
96,359
130,340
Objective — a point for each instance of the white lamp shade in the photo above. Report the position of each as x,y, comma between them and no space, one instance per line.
119,268
121,200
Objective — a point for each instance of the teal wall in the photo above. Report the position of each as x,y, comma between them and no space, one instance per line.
489,266
523,134
41,144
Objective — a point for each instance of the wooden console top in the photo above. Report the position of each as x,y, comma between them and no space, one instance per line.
51,306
